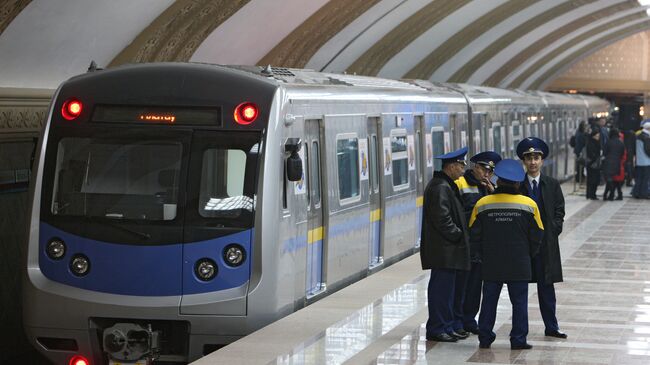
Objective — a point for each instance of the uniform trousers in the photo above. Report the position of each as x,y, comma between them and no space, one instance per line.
440,294
546,296
518,292
472,298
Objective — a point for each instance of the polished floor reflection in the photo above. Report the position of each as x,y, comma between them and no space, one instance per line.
603,305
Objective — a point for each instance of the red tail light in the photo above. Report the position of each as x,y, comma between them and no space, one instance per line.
79,360
246,113
71,109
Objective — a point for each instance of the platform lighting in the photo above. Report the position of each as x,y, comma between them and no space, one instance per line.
644,2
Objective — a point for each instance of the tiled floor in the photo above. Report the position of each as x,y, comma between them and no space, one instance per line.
603,305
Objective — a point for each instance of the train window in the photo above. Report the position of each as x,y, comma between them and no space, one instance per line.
222,184
306,165
399,150
347,158
438,143
497,138
116,179
315,172
374,178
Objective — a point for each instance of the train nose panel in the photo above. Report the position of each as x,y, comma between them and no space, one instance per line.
216,274
112,268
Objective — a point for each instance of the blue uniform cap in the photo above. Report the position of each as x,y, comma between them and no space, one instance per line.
458,155
532,145
510,170
488,159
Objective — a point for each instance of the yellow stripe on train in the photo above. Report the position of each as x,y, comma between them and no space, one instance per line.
315,235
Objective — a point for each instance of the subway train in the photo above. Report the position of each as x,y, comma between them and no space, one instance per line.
177,207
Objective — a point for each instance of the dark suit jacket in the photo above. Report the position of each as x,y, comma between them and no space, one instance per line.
445,239
553,218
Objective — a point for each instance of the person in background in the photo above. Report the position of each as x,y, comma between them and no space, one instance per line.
604,132
593,163
473,185
547,193
614,155
506,227
641,188
630,148
580,138
444,246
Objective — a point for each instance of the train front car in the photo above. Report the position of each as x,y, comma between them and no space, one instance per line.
142,239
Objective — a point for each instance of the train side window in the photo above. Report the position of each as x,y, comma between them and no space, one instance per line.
373,164
306,165
399,150
496,138
347,159
438,143
315,175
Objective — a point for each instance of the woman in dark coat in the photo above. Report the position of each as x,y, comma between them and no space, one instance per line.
593,163
614,151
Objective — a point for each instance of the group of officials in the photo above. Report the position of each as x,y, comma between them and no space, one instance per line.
477,236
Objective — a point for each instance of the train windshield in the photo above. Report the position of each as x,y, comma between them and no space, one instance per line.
118,179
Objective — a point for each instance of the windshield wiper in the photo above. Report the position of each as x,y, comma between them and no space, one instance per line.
142,235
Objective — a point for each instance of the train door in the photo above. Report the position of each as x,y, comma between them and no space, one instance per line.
420,171
375,192
315,230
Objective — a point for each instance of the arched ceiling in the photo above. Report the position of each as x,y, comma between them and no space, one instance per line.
506,43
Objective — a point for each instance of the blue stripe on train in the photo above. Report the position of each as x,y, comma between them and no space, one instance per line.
143,270
362,220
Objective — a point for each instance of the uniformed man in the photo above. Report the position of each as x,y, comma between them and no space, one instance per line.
506,229
444,245
546,192
473,185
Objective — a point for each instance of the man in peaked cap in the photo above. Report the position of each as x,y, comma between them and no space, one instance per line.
506,229
473,185
546,192
444,246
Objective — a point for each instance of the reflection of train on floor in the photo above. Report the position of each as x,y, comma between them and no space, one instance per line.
178,207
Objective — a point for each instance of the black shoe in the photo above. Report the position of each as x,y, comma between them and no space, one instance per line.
441,337
459,334
472,330
524,346
482,345
557,334
619,197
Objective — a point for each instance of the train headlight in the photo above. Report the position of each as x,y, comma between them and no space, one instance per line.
234,255
80,265
55,249
205,269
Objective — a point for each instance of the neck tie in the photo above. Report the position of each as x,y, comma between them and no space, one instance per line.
534,193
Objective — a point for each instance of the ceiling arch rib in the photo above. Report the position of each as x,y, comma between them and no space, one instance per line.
178,31
468,68
424,44
9,10
298,47
579,51
490,66
586,21
361,36
567,44
493,35
323,56
456,42
403,34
